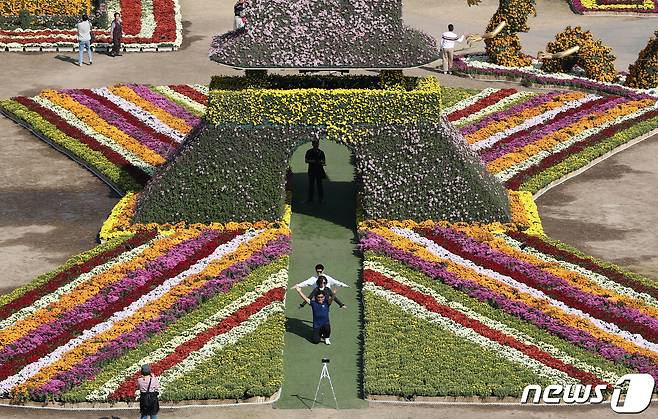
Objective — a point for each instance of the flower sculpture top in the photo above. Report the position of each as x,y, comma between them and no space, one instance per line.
324,34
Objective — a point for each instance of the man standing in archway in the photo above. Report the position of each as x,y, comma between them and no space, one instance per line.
316,162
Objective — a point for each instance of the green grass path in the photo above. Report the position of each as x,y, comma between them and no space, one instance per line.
323,234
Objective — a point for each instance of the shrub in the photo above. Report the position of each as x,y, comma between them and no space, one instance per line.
593,57
643,74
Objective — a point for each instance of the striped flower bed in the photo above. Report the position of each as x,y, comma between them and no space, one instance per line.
122,133
197,304
148,25
527,140
509,309
614,7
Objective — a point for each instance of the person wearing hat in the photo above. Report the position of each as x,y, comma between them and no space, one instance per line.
149,389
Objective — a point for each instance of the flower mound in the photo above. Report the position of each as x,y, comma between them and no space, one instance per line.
642,73
593,57
324,34
505,48
191,303
485,310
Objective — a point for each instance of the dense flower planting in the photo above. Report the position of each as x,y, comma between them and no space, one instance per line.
186,302
528,140
620,7
122,133
149,25
593,57
478,64
324,34
395,135
505,48
51,7
642,73
486,310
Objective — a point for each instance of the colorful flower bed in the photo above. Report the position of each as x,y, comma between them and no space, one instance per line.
324,34
616,7
149,25
122,133
478,64
201,303
528,140
51,7
396,134
484,310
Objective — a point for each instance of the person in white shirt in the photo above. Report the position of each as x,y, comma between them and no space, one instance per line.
448,40
84,39
331,283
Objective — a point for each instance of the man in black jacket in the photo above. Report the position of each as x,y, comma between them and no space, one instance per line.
316,162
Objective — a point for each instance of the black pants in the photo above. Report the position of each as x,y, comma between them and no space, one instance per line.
321,332
315,179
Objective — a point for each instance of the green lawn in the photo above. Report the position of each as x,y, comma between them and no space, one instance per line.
323,234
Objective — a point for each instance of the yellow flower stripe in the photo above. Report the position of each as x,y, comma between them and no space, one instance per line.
152,310
118,223
172,121
90,118
594,5
550,141
524,212
41,8
517,119
514,294
573,278
90,288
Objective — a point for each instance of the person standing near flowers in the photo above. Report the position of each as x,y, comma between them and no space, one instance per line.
238,12
84,39
149,389
330,283
448,40
320,306
116,30
316,174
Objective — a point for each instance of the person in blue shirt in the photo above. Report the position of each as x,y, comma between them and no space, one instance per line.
320,306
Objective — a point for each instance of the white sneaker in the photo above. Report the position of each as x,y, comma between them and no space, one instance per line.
327,341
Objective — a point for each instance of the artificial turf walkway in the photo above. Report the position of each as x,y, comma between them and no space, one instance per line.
323,233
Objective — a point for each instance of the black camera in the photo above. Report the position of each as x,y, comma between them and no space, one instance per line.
325,360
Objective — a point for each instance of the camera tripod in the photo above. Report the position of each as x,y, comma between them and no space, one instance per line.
324,374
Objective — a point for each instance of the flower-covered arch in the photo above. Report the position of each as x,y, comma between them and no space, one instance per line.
412,163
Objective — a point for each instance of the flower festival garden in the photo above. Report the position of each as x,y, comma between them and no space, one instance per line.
460,296
149,25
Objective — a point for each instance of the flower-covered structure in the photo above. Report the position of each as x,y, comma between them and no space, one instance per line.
505,48
643,74
413,164
324,34
592,56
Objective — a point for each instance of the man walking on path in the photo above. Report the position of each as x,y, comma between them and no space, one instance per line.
84,39
448,40
330,283
320,306
316,162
